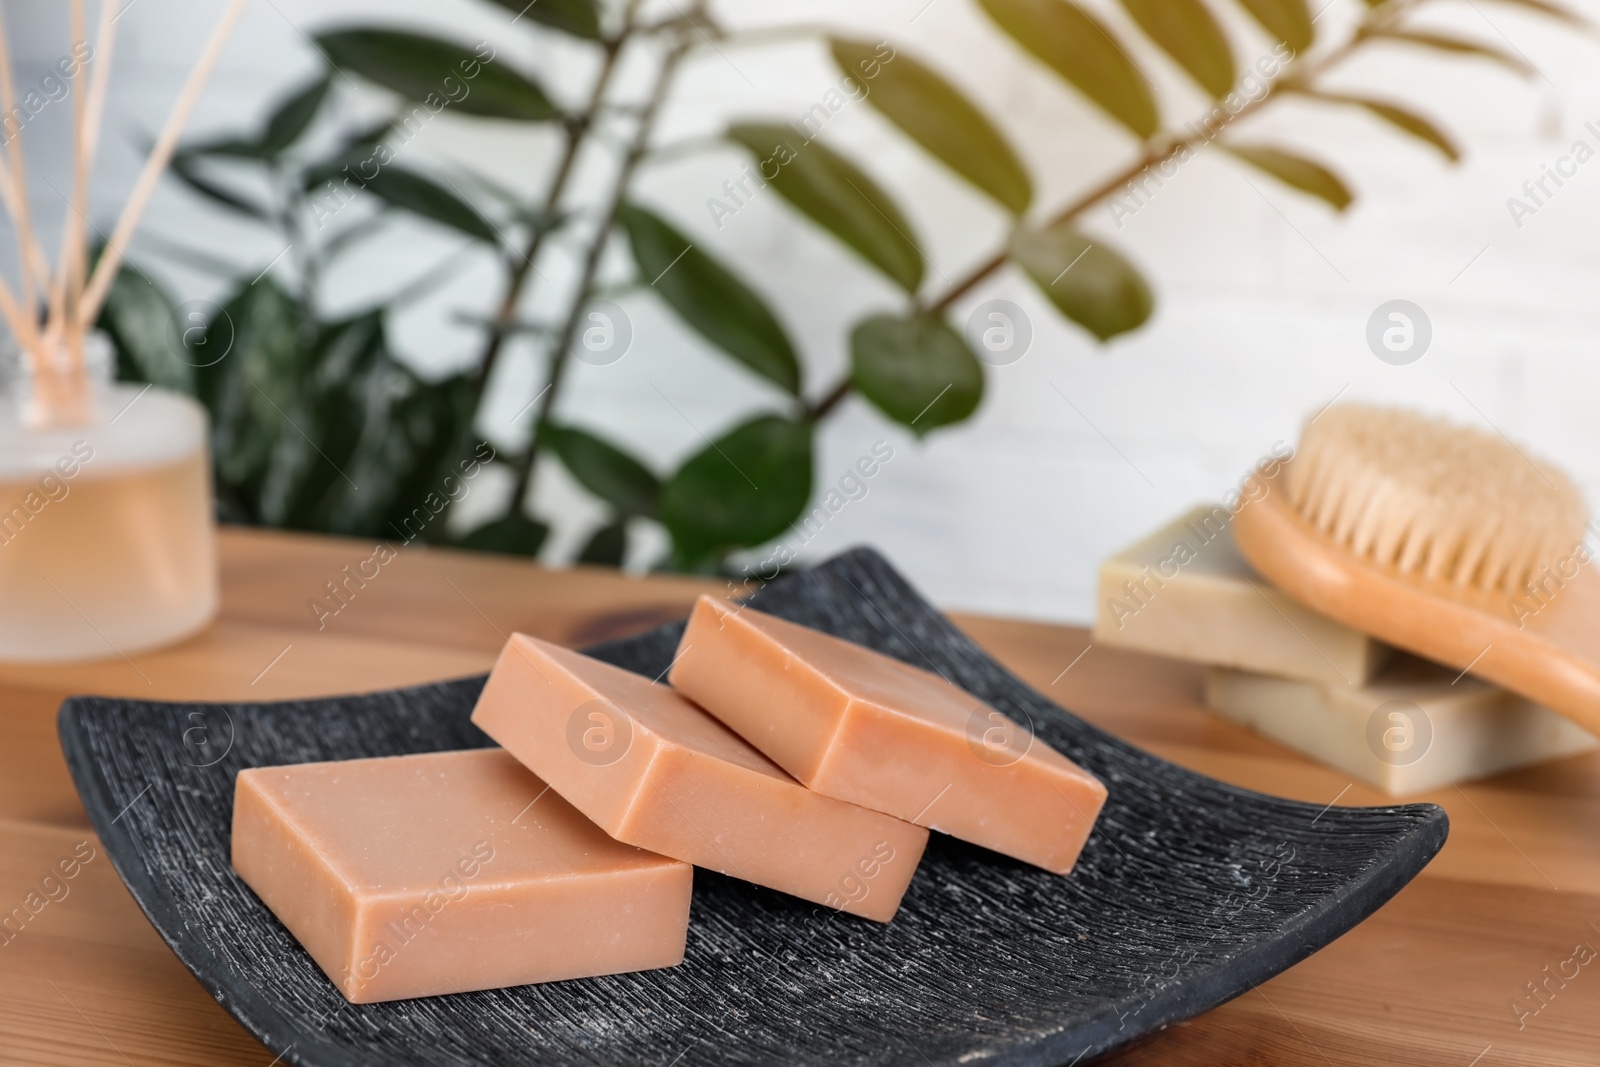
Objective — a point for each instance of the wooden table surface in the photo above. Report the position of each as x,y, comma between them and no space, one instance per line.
1444,975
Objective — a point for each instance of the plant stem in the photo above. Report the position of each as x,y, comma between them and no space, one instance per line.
291,216
1150,158
1158,152
819,411
521,268
1154,157
561,350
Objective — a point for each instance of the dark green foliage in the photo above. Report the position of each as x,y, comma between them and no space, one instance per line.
316,425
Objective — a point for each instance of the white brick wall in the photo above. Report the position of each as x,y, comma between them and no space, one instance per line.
1263,294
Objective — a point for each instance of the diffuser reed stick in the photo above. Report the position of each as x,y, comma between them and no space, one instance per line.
73,296
111,259
33,267
72,231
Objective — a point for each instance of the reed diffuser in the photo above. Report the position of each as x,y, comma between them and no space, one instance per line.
106,538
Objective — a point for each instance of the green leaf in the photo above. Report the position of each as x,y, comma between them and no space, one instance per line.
605,470
423,196
837,195
1401,118
577,17
512,535
294,116
1076,46
707,296
745,488
248,374
530,214
359,143
437,72
1088,282
429,450
918,371
1297,171
141,321
608,546
353,235
1188,33
1443,42
343,398
183,168
1287,20
937,116
225,148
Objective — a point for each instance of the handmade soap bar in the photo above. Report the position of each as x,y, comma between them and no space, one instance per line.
658,772
1186,592
416,875
1417,726
857,725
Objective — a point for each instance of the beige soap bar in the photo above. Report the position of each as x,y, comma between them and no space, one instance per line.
658,772
860,726
1407,731
412,876
1186,592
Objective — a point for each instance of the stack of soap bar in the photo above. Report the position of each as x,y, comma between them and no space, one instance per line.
1305,680
1417,726
1186,592
655,771
853,724
412,876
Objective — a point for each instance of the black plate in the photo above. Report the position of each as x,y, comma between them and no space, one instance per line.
1189,893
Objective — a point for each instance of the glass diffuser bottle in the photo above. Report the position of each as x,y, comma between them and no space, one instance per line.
106,538
106,542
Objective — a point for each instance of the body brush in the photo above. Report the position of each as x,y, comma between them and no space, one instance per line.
1443,540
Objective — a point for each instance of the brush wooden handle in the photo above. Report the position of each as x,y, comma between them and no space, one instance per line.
1545,647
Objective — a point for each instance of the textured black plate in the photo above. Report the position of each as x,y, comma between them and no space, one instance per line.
1189,893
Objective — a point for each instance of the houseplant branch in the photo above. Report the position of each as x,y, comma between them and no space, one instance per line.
560,353
1158,151
577,132
906,358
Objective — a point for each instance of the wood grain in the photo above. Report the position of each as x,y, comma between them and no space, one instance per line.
1430,979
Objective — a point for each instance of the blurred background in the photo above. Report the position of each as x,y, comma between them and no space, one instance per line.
1263,295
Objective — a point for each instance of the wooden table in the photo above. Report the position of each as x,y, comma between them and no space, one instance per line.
1434,978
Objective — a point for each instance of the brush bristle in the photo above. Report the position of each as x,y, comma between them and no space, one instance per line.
1428,497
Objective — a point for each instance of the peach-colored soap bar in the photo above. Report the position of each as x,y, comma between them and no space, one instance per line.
854,724
412,876
658,772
